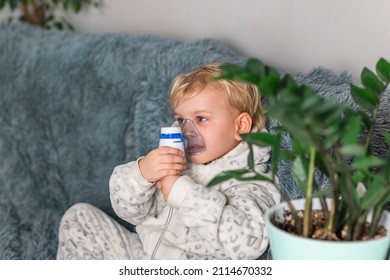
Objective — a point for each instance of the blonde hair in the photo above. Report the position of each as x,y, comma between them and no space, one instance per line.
242,96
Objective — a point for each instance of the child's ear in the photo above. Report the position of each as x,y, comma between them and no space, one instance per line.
243,125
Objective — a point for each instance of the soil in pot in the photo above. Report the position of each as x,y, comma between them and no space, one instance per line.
318,230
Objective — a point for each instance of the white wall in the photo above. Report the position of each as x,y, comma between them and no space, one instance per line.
344,35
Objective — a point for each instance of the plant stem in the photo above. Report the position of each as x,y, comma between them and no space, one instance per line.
378,211
334,179
347,191
358,226
376,216
309,194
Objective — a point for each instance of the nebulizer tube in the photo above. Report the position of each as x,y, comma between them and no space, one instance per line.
187,138
172,137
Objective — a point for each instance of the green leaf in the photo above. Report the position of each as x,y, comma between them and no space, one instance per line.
255,66
269,86
300,169
246,76
58,25
76,4
375,196
2,3
353,150
365,98
250,160
352,130
288,81
286,155
226,175
65,5
294,124
367,162
50,18
240,175
13,4
322,193
231,68
70,27
383,70
276,154
371,81
260,139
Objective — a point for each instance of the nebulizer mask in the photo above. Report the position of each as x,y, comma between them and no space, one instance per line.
192,140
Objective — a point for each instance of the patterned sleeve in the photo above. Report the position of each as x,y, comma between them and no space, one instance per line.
230,222
133,198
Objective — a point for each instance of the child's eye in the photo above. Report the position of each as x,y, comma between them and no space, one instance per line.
180,120
201,119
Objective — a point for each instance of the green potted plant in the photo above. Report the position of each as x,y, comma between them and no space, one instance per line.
334,139
45,13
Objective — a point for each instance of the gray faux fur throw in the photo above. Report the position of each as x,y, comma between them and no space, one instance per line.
73,106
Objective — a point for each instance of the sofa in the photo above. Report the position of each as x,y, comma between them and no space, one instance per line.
75,105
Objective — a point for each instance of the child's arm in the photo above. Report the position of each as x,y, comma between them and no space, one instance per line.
132,189
161,162
230,220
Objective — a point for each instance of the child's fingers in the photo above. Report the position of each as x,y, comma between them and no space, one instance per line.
161,162
173,166
172,159
167,172
163,150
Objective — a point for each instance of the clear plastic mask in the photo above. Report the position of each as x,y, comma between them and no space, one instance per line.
193,141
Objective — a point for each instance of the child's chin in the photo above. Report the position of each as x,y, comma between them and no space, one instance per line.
199,159
195,159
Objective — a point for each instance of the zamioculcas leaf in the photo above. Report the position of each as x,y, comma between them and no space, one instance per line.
353,150
76,5
371,81
322,193
231,68
13,4
260,138
269,86
338,135
250,159
65,5
350,134
300,172
247,77
365,98
255,66
368,162
374,196
240,175
276,154
226,175
383,70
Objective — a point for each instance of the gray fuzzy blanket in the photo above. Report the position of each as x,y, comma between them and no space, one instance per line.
73,106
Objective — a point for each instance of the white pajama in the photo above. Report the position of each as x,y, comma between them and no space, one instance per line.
224,221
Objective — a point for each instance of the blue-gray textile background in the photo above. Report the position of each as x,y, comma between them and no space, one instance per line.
73,106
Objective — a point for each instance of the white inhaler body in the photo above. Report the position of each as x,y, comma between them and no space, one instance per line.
171,136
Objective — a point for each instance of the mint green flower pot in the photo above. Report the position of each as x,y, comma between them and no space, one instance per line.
286,246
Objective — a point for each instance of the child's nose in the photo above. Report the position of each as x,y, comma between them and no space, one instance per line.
188,127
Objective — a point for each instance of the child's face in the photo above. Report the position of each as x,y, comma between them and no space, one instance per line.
215,120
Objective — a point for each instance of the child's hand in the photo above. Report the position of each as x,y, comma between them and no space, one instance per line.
165,184
162,162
